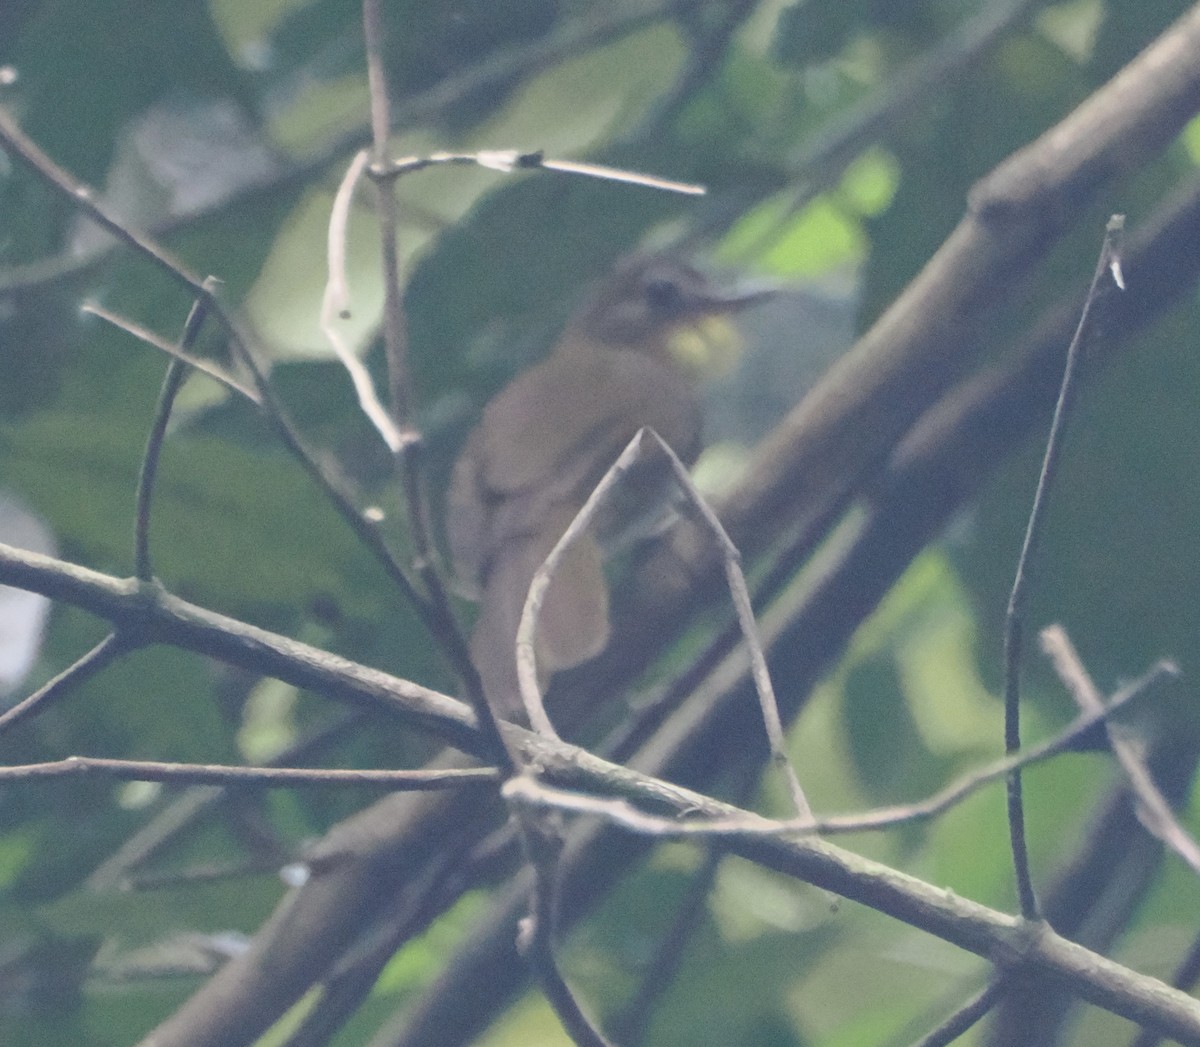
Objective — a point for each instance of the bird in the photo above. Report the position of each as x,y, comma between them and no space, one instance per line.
625,360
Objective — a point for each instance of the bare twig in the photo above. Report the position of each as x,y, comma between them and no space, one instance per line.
107,651
156,616
1153,810
197,363
967,1016
335,305
235,776
527,631
509,161
188,807
536,937
1083,726
612,174
172,383
406,439
395,341
83,198
1014,618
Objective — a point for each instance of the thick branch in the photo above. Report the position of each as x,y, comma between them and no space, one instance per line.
153,615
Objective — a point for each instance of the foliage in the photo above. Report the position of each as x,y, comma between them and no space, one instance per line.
224,129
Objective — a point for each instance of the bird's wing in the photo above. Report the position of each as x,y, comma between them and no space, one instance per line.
468,509
545,441
574,413
573,625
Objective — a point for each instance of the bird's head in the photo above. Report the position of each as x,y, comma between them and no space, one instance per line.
660,305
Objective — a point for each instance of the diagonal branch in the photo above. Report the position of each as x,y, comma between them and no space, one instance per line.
1154,810
147,614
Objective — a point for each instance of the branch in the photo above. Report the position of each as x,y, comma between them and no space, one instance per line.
596,29
875,392
82,197
1003,939
149,614
837,443
939,466
925,482
107,651
254,777
527,671
197,363
172,383
1014,623
1154,811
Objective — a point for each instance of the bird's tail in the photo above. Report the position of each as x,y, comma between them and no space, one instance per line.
573,625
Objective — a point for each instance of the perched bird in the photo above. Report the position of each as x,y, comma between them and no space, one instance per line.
547,439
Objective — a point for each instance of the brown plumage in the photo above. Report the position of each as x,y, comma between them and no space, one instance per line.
543,444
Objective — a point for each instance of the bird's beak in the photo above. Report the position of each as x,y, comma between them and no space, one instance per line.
706,342
735,299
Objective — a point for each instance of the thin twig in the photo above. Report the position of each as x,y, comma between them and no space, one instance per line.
107,651
407,440
234,776
190,806
740,595
197,363
737,823
335,306
630,1026
1154,812
395,342
83,198
966,1017
590,30
1108,262
527,631
1067,740
535,939
172,383
510,161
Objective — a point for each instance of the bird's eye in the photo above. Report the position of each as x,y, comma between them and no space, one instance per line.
664,295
